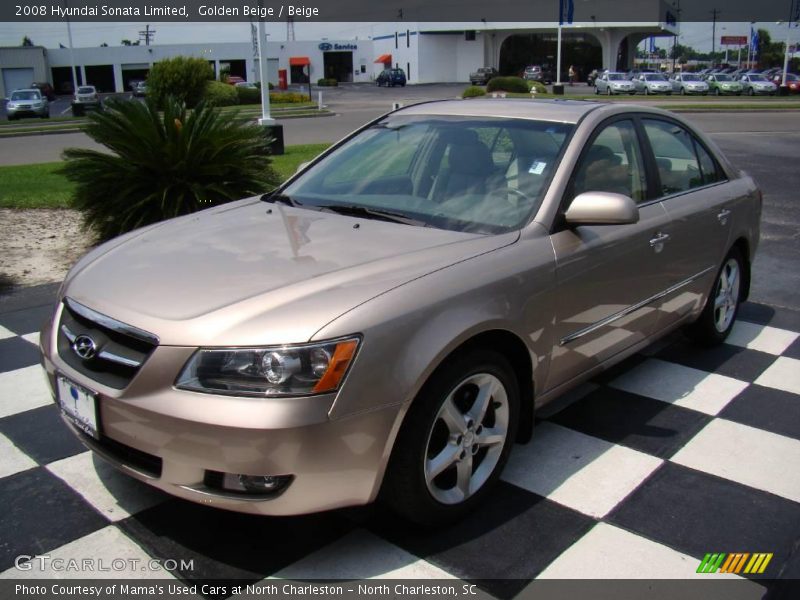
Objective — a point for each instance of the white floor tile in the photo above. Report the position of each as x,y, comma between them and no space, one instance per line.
112,493
5,333
761,337
12,459
23,389
33,338
101,548
579,471
747,455
783,374
608,552
683,386
361,555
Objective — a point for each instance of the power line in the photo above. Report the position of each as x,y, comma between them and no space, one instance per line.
147,35
714,14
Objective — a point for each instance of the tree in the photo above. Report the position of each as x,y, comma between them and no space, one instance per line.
27,42
183,78
164,165
770,54
126,43
104,45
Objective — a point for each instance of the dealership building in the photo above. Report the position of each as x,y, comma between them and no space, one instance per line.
428,52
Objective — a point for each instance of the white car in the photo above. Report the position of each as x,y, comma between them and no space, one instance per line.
689,83
652,83
614,83
755,83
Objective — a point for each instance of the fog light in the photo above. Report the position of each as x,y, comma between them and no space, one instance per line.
255,485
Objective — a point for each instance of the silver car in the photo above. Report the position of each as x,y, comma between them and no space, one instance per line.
614,83
755,83
652,83
689,83
388,322
27,103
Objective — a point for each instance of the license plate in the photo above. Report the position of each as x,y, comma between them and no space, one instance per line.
79,405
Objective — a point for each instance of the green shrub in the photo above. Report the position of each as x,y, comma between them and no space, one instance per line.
538,86
473,91
327,82
248,95
220,94
163,165
288,97
182,78
507,84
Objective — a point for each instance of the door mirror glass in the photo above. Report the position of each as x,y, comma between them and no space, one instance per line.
602,208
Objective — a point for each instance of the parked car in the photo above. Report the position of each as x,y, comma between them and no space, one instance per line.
613,83
134,83
86,98
140,90
777,79
689,83
756,83
381,310
537,73
248,85
27,103
45,88
793,83
652,83
233,79
482,75
391,77
723,84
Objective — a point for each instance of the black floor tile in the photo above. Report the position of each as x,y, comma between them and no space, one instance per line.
501,546
16,353
763,314
27,320
641,423
42,434
725,359
40,513
696,513
793,351
766,408
226,546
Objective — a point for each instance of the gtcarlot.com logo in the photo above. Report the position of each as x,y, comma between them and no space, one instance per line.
45,562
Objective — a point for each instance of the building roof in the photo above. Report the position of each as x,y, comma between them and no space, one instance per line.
562,111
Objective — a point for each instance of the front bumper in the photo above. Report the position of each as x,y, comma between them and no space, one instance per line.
187,435
26,112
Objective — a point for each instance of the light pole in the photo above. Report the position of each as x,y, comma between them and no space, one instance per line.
266,118
71,54
786,52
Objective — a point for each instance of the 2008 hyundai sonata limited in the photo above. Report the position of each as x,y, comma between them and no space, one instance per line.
387,322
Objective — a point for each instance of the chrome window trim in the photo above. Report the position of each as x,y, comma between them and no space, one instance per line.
630,309
110,323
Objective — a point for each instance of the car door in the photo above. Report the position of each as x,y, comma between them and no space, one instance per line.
601,84
694,192
607,275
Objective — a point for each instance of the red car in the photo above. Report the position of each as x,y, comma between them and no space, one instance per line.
792,82
234,79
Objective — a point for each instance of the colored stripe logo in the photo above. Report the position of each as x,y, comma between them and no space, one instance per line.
736,562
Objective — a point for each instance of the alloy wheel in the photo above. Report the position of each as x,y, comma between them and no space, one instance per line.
727,294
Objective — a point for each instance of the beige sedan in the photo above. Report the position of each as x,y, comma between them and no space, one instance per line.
389,320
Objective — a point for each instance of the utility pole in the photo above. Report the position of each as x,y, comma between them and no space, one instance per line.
147,35
714,13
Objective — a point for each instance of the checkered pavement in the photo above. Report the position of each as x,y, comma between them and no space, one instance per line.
677,452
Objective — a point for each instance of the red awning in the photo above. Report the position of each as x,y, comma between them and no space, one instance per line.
298,61
385,59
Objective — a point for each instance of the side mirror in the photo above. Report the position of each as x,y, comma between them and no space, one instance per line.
302,166
602,208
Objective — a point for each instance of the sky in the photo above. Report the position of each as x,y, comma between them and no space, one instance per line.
50,35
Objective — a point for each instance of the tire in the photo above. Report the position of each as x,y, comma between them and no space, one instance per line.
596,91
646,91
608,91
716,92
750,92
715,322
431,431
683,91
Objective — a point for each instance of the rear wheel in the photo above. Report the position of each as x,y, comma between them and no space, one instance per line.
455,439
750,92
608,91
722,306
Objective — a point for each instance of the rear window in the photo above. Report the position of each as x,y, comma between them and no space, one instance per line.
86,90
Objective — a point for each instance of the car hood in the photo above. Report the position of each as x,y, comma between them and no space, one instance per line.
256,273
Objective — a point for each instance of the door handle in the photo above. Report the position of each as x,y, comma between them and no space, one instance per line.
723,216
657,243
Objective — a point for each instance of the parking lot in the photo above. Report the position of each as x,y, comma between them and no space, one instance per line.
675,453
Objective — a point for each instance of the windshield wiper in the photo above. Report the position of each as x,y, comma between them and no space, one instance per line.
355,210
279,198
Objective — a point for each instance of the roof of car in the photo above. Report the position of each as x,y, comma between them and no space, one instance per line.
562,111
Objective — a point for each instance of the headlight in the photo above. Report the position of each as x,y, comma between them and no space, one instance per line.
277,371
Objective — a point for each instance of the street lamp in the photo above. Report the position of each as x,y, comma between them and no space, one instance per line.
786,51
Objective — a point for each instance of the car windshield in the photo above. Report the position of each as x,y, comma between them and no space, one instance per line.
757,78
723,78
690,77
484,70
25,95
617,77
471,174
85,90
655,77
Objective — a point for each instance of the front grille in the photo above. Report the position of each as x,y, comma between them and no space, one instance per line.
138,460
119,350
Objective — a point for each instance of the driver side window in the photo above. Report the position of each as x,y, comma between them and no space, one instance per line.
613,163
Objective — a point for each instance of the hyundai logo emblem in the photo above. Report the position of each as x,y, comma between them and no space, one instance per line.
84,347
325,46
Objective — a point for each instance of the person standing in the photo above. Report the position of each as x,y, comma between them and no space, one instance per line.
571,74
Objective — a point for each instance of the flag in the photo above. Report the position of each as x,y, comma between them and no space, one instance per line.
753,42
566,11
652,44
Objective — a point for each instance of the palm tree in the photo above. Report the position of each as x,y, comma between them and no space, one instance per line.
163,165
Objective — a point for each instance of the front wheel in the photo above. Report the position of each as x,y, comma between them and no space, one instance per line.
455,440
722,306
